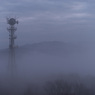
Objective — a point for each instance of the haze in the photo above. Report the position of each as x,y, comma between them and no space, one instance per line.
55,38
43,20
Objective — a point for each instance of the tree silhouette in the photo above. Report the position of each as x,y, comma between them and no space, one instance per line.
61,87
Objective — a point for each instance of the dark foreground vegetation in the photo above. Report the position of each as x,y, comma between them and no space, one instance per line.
58,86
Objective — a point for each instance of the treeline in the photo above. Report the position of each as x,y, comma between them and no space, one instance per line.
61,87
56,87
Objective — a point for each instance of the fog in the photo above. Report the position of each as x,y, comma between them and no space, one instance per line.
40,62
54,50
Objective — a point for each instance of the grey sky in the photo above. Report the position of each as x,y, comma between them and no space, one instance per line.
42,20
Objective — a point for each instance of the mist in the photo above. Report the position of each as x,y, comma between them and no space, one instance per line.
40,62
54,49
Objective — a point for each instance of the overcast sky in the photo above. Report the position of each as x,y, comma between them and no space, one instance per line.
43,20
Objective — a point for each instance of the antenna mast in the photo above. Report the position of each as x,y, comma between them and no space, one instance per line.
12,37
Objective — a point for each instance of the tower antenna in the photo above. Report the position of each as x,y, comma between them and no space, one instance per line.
11,29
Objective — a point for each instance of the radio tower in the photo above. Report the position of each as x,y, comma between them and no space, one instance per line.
12,37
